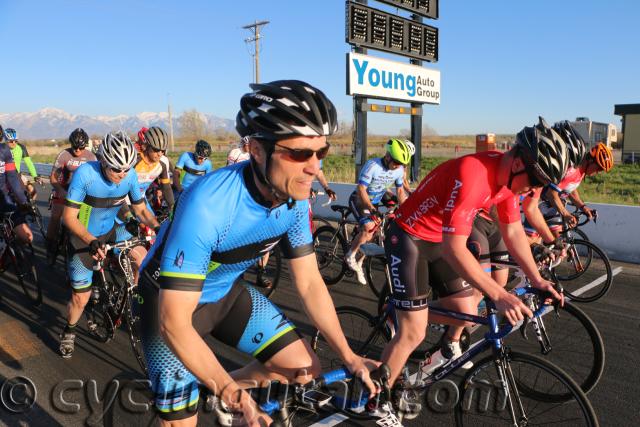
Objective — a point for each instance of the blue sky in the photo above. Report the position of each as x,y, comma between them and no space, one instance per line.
502,62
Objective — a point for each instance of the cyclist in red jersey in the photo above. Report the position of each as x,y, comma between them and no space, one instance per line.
427,244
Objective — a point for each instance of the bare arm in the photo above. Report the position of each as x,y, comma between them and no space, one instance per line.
402,196
535,218
176,179
364,197
53,178
141,211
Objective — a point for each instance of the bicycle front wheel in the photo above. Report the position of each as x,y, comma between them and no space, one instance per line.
575,345
133,326
497,391
330,248
588,263
99,322
375,270
362,334
26,273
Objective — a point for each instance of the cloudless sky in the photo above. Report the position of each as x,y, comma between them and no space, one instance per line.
502,62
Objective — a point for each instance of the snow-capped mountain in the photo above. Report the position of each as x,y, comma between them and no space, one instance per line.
55,123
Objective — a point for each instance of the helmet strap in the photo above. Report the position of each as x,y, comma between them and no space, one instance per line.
264,178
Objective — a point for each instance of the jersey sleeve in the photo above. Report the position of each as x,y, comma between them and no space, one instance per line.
366,174
77,189
298,242
60,162
209,167
182,160
186,257
509,210
163,178
135,195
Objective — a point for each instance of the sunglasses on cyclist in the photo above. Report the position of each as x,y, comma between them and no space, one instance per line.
303,154
158,150
202,157
116,170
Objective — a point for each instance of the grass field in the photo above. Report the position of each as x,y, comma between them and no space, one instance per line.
620,186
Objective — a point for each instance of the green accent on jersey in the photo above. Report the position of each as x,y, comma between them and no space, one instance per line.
273,338
84,214
17,154
212,266
182,275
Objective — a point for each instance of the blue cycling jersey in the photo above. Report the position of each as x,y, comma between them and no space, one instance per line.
98,198
220,228
378,179
191,170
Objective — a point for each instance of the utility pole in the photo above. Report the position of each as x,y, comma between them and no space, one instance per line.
170,122
255,29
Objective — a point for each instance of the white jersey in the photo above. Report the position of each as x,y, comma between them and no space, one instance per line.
236,156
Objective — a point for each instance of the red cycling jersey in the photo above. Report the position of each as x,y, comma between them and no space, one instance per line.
448,198
570,182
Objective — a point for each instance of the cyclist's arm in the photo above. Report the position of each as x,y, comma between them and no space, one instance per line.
535,218
576,199
361,190
402,196
176,309
15,184
177,174
30,167
142,212
319,307
71,221
165,186
53,178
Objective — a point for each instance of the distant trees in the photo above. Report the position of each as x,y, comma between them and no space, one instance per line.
192,125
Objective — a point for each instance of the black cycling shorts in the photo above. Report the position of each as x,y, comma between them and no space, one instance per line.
416,267
486,244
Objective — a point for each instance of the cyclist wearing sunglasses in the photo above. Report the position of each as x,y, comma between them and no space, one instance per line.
376,177
426,245
12,196
67,161
191,166
191,284
96,193
20,154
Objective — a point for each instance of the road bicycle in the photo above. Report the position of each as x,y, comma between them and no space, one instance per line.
522,389
21,259
585,262
112,294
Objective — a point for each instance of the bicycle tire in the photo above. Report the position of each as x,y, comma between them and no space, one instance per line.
374,270
575,411
592,267
133,327
330,248
26,272
363,337
576,345
273,271
100,324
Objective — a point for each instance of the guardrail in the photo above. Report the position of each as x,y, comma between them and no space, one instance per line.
617,231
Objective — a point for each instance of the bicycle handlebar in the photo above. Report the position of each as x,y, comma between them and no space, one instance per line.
129,243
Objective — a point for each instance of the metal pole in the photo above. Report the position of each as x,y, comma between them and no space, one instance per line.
255,29
360,123
416,128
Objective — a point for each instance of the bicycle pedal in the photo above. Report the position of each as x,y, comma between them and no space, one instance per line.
91,326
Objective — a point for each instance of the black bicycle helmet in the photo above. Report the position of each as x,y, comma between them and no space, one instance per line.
203,149
156,138
544,153
283,109
575,143
78,138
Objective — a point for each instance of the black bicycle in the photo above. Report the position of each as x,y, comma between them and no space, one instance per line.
112,295
585,262
21,259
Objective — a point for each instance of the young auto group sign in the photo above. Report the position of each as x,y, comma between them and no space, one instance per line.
381,78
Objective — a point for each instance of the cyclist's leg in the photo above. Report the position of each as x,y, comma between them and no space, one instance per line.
21,228
136,254
365,233
53,227
408,266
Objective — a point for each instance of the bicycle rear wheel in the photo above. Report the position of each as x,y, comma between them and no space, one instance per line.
374,268
330,248
363,337
26,272
575,342
133,327
501,388
99,321
588,263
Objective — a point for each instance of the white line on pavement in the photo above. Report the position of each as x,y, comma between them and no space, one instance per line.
596,282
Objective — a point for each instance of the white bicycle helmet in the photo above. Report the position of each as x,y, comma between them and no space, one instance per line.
410,146
117,151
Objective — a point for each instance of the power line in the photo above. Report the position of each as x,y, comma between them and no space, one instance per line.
255,29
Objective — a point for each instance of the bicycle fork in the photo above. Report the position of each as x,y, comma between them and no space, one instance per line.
538,328
510,390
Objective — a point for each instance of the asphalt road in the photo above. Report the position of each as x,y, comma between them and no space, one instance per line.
95,385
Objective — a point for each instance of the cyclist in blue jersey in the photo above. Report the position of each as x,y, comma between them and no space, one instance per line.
376,177
190,282
190,166
96,193
12,195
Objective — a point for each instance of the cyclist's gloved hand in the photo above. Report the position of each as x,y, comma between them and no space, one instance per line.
95,245
132,226
569,218
39,180
25,209
331,194
541,253
591,213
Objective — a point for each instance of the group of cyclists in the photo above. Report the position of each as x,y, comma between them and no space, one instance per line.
225,220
